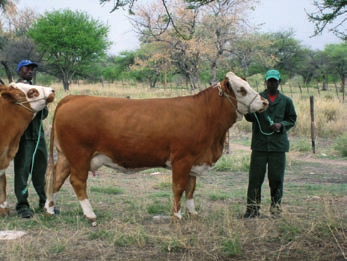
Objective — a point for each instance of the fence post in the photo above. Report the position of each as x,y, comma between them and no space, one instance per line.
313,135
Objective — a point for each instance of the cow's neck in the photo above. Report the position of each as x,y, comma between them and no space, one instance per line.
15,120
221,115
224,109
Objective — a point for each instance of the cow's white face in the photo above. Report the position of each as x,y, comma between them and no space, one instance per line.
248,99
37,96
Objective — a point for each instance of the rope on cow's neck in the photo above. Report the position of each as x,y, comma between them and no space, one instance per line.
28,108
222,93
229,97
33,158
265,133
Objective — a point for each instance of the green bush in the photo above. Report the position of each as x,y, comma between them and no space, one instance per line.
341,145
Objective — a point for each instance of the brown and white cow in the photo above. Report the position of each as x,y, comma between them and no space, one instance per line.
18,104
185,134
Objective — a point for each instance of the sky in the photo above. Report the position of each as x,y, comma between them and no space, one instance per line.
273,15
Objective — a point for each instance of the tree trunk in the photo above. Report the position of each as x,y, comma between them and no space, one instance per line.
8,71
213,72
66,85
324,88
343,85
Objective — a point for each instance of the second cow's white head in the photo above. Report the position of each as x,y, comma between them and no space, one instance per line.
248,100
35,97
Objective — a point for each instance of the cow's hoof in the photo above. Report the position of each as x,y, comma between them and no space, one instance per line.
92,221
176,218
4,212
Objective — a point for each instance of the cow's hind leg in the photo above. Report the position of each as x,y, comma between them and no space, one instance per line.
4,211
190,188
180,177
54,182
78,180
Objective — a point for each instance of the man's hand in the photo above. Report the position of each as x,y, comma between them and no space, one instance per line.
276,127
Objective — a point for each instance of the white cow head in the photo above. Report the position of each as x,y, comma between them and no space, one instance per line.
33,97
248,100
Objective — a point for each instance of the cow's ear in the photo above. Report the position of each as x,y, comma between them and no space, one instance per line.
227,85
9,96
3,88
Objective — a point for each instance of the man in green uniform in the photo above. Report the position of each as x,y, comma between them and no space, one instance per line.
32,153
269,146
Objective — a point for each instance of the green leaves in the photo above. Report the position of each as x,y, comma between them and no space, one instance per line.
70,42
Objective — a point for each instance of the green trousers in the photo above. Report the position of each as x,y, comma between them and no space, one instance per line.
274,163
22,169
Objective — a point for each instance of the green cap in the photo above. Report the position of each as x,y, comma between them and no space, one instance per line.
272,74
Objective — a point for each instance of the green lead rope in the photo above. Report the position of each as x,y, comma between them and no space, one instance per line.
271,122
33,158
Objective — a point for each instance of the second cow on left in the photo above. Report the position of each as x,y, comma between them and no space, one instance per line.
19,104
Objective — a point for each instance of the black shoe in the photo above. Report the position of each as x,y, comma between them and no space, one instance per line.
25,213
56,211
251,214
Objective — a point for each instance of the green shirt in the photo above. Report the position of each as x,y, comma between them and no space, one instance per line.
282,111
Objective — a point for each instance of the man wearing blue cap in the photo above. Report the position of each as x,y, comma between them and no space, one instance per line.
269,146
28,154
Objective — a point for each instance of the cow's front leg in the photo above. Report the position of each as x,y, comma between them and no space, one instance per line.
78,180
190,188
4,211
180,176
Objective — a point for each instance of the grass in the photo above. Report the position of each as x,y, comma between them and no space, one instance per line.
313,226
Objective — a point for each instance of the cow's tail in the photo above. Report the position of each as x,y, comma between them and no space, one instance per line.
50,172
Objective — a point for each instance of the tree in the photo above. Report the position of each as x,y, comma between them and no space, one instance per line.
309,66
152,61
287,51
331,15
69,42
337,54
184,49
16,45
249,54
118,66
222,24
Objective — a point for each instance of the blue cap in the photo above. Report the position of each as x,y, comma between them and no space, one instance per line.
272,74
25,63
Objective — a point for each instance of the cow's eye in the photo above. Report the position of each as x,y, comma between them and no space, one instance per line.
243,91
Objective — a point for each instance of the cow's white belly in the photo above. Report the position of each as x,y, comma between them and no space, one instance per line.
100,160
197,170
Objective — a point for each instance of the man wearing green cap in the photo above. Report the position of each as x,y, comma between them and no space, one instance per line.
32,153
269,146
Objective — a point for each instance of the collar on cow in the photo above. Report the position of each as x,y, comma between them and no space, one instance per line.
223,93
